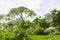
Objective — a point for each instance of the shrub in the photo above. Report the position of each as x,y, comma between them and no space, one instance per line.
30,30
39,31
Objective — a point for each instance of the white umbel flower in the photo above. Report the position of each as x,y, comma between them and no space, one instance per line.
50,29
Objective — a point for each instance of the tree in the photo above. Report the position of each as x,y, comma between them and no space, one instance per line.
41,22
15,28
53,13
48,17
20,11
54,17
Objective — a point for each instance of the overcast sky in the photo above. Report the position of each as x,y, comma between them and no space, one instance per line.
41,7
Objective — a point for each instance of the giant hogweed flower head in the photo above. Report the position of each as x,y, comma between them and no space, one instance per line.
50,29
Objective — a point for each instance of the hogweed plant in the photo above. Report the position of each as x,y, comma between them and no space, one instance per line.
51,31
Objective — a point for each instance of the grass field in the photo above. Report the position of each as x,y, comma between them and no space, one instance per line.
44,37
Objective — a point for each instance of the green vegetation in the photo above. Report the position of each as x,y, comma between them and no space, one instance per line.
15,26
44,37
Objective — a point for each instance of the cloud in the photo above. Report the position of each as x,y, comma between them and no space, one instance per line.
39,6
47,5
5,5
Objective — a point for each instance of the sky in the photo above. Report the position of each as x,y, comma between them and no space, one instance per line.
40,7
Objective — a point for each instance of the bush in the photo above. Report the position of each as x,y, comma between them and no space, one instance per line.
39,31
30,30
13,34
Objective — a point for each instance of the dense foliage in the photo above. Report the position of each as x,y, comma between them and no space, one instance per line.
14,25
